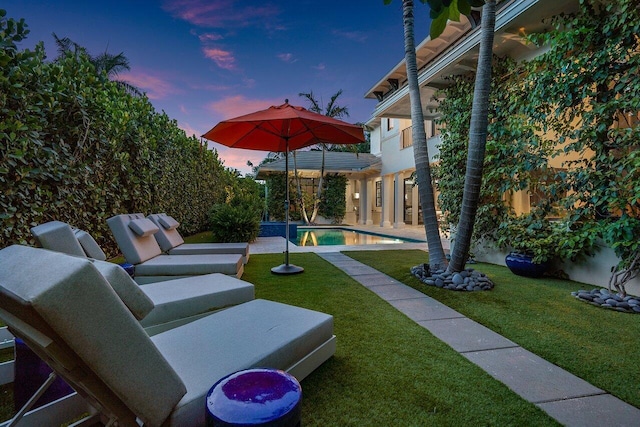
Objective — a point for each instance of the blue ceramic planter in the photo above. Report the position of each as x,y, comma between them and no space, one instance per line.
522,265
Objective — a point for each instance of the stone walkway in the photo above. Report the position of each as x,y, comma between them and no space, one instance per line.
565,397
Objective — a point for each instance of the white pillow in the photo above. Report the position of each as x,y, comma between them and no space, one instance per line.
143,227
167,222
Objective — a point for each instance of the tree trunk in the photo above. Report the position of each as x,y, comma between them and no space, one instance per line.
316,202
303,208
477,141
437,259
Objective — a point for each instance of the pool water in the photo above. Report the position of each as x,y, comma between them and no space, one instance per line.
341,236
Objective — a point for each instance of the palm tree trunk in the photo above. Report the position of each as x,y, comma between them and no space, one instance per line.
437,259
477,141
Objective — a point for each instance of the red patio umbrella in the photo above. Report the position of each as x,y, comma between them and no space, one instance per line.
280,129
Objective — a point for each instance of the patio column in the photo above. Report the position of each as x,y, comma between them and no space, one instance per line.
415,203
387,200
350,216
364,195
399,201
370,190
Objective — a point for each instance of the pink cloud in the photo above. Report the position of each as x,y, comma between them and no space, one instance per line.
286,57
237,158
219,13
154,85
319,67
189,130
223,59
356,36
210,37
234,106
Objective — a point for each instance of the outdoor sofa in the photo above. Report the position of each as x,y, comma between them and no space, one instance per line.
172,243
134,235
66,312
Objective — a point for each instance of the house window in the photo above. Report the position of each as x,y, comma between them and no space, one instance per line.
390,124
378,193
538,190
406,138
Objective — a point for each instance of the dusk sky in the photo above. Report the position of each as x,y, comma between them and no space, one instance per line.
203,61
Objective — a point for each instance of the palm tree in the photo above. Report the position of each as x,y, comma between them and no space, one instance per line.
477,141
441,11
437,259
106,62
332,110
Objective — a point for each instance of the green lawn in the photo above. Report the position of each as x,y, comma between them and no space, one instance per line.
387,370
598,345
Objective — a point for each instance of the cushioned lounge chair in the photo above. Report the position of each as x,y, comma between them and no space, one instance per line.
93,341
134,236
158,306
172,243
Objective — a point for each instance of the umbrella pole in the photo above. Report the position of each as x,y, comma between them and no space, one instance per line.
286,268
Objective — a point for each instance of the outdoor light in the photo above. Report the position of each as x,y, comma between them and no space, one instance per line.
356,195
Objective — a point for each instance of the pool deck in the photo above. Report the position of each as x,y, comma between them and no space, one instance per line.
568,399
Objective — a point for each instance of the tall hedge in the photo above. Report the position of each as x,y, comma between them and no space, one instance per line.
77,148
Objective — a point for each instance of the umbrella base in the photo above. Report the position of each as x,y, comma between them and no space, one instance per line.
287,269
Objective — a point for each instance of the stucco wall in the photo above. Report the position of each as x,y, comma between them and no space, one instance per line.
593,271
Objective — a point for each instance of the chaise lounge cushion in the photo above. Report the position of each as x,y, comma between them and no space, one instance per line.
90,246
255,334
189,265
136,249
152,266
167,222
171,241
137,301
57,236
182,298
72,297
143,227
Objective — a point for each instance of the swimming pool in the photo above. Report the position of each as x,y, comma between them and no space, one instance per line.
325,236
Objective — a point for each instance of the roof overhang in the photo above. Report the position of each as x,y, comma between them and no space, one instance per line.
309,163
456,52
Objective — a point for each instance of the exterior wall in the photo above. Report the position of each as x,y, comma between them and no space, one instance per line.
593,271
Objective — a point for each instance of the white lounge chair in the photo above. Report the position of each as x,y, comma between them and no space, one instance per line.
93,341
158,306
172,243
134,236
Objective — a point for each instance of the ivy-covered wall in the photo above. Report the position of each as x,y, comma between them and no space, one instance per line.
577,105
332,204
76,148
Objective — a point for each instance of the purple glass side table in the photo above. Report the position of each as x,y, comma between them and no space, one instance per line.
255,397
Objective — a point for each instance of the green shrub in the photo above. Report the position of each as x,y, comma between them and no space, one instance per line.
234,222
77,148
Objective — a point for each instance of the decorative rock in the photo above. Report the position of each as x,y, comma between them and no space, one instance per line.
584,295
458,279
467,280
606,299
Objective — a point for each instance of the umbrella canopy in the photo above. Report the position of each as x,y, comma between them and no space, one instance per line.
282,128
